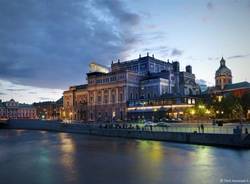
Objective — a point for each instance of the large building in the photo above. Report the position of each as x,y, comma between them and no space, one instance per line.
108,91
14,110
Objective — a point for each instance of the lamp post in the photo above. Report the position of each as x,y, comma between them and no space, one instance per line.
70,114
208,113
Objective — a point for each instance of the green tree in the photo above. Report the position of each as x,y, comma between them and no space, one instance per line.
231,107
245,102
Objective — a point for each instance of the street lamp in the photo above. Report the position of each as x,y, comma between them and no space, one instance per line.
192,112
70,114
207,112
201,107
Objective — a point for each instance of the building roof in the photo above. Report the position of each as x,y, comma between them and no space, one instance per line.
23,105
239,85
223,69
83,86
163,74
95,67
142,59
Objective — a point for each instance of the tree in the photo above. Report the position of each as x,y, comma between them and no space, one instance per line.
200,111
231,107
245,101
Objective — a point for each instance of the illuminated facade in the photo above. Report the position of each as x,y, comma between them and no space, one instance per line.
14,110
50,110
106,95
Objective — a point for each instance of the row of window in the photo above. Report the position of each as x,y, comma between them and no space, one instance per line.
107,115
106,98
219,81
108,79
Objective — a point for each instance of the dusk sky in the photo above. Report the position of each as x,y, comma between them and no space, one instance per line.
46,46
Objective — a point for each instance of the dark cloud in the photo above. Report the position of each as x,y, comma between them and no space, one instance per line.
14,90
50,43
1,93
159,49
213,58
238,56
33,93
163,51
210,5
45,99
176,52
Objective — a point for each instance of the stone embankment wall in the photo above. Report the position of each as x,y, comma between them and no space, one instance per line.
230,140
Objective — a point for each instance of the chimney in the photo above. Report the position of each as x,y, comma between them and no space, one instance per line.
153,56
189,69
139,55
118,60
147,54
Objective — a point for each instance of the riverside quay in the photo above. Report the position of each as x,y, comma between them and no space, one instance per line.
145,87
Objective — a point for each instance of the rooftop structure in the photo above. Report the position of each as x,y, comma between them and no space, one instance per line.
223,75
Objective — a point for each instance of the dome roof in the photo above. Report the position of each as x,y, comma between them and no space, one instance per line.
223,70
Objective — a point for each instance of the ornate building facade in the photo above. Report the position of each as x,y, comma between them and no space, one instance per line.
224,85
14,110
223,75
107,93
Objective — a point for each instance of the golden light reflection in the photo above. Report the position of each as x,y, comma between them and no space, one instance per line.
202,158
19,132
67,145
150,162
203,155
152,151
68,148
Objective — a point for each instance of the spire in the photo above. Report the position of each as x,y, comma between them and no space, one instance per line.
222,61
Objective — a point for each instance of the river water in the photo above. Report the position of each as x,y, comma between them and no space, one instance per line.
46,157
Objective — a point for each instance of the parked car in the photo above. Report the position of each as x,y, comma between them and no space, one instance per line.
163,124
149,123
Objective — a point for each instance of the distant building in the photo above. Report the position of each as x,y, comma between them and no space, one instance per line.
188,85
224,85
14,110
109,91
202,84
49,110
3,110
223,75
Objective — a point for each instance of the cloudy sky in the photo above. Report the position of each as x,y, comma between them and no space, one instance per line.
46,46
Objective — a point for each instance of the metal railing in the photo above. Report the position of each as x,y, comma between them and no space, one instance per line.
194,128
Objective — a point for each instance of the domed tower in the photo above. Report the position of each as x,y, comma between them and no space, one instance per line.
223,75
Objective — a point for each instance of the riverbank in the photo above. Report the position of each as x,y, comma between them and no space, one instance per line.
228,140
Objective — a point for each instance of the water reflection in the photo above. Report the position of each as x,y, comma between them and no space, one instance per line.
67,143
204,155
151,152
67,155
149,161
46,157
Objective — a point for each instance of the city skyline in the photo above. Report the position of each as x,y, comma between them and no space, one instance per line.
44,53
